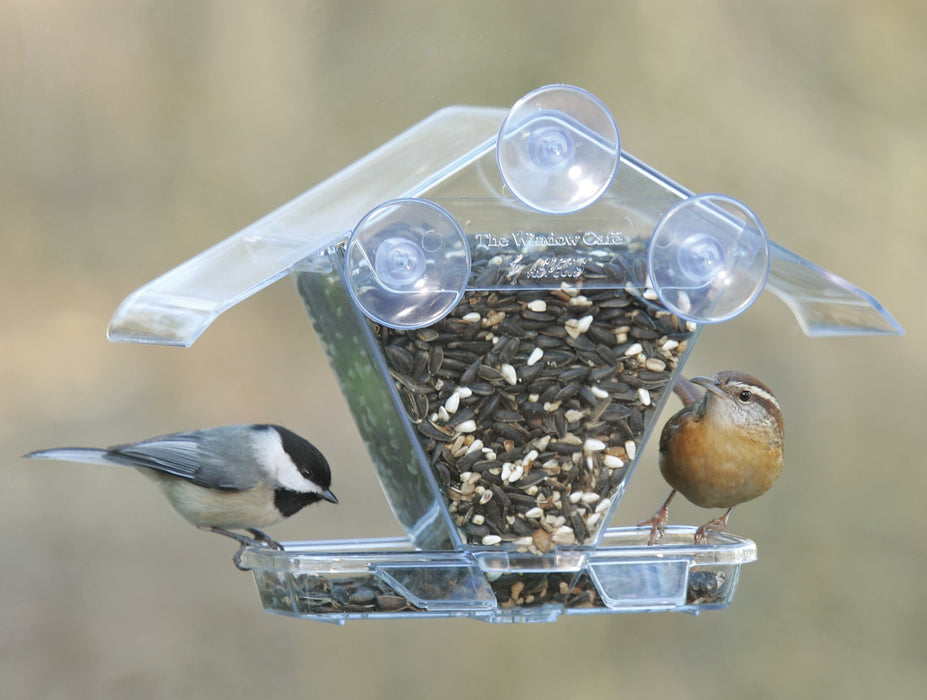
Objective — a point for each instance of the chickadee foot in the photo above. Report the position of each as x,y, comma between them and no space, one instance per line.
713,525
657,523
263,538
236,558
259,539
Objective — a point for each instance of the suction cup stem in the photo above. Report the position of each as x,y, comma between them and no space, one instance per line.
708,258
558,149
399,262
407,263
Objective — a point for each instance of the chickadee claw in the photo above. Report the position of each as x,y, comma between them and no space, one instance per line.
236,558
262,537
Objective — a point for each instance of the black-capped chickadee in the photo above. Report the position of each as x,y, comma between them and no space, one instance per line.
237,477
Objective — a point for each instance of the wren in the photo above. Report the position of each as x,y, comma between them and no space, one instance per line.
720,450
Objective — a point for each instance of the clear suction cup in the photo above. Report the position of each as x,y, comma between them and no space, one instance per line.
708,258
407,263
558,149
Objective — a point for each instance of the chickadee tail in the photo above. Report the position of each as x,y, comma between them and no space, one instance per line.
89,455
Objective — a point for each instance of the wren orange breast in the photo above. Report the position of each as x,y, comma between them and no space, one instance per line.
721,467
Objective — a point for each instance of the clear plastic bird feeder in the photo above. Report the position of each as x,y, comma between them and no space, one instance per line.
507,299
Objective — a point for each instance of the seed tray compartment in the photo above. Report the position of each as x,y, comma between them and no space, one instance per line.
340,580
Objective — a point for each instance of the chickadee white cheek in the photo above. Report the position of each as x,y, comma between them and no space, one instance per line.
279,464
229,510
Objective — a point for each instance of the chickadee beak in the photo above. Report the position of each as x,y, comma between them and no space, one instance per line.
710,384
329,496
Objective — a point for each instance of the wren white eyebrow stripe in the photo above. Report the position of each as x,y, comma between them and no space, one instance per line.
758,391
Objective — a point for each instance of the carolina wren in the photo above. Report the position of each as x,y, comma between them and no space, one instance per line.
722,449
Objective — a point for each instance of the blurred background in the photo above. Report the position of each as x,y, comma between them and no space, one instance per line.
135,134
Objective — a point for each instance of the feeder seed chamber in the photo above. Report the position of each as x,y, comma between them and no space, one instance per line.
507,299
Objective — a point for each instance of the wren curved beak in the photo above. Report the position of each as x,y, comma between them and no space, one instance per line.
710,384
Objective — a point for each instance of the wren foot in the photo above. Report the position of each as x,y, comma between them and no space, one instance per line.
713,525
657,523
657,526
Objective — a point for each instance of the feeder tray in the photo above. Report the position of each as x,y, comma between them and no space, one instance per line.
506,298
338,581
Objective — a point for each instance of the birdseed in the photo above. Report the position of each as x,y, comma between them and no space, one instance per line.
557,386
365,594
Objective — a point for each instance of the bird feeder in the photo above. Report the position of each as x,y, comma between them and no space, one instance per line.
506,298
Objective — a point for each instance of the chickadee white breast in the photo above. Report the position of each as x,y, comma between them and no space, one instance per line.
215,508
235,477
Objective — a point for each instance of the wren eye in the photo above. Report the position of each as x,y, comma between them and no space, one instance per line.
745,396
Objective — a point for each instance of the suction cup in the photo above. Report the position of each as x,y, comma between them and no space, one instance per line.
407,263
558,149
708,258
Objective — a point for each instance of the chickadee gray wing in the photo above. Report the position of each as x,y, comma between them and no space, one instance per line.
218,458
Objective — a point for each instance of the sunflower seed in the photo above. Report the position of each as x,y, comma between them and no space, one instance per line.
538,305
535,356
508,374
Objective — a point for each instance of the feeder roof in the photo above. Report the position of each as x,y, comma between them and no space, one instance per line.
453,144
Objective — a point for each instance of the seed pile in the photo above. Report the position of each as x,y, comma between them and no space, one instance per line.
531,405
313,594
528,590
706,587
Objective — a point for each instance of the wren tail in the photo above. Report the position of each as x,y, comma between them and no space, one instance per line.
687,392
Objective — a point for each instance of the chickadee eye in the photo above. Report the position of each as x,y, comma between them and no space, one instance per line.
745,396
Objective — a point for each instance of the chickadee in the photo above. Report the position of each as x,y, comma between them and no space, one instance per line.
237,477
